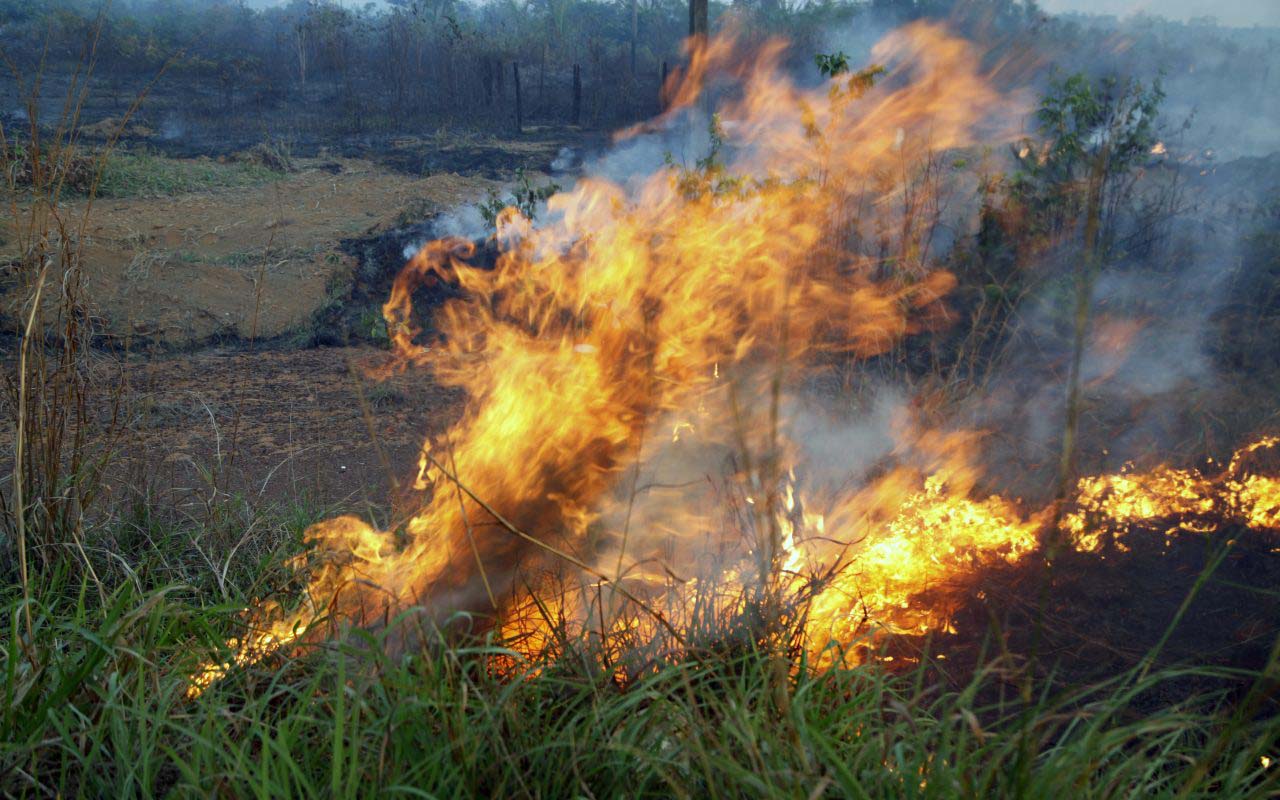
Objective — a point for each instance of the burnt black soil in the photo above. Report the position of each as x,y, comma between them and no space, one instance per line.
1083,618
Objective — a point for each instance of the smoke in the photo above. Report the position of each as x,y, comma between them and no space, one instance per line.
1150,385
1145,364
173,128
683,140
464,222
1222,85
1238,12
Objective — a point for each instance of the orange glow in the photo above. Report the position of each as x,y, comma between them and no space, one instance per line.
630,365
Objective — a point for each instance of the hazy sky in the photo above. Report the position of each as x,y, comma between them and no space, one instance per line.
1228,12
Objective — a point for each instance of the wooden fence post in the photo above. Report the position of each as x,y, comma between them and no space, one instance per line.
577,93
635,34
515,70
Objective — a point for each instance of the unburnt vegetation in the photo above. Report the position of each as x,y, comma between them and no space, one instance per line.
208,204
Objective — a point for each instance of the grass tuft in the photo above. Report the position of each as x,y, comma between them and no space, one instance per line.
147,175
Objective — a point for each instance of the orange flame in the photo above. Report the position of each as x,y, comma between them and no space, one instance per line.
630,367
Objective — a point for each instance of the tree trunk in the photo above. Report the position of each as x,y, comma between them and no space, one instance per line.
300,48
542,81
1086,273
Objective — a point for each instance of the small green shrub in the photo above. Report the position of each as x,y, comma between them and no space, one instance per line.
525,198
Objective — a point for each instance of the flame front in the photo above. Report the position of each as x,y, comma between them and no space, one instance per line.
631,367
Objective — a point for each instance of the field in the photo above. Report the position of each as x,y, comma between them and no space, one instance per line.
884,406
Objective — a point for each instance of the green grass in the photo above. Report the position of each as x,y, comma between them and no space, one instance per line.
147,175
93,705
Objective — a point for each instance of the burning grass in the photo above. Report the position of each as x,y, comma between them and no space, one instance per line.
694,299
627,570
631,459
107,715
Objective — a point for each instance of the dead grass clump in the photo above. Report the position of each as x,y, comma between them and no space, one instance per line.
273,155
25,167
113,128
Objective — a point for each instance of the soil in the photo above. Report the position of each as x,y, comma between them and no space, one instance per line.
277,426
243,263
240,320
1174,599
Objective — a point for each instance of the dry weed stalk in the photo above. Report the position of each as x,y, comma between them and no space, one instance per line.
65,416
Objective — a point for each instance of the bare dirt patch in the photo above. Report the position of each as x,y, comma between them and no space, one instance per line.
245,263
278,425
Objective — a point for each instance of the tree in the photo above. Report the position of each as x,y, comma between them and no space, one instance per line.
1076,179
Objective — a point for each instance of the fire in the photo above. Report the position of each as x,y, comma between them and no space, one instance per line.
1114,502
935,534
632,367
